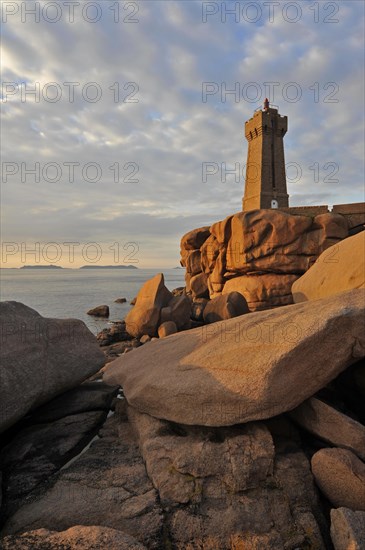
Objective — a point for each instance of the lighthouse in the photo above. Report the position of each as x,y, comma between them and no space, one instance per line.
265,185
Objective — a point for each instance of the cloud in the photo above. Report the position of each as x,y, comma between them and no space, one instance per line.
163,139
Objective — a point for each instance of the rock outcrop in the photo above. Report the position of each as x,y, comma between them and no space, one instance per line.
222,436
339,268
266,249
271,289
248,368
156,305
225,488
225,307
41,358
144,317
99,311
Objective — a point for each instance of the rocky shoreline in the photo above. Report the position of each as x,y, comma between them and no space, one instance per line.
213,417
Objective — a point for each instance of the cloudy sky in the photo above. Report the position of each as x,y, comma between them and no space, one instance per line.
119,128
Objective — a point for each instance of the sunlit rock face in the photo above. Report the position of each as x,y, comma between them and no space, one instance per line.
259,253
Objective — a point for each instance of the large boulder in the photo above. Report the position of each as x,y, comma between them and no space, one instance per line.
222,230
340,475
339,268
256,243
331,425
194,239
247,368
193,263
199,285
99,311
225,307
231,487
209,253
167,328
144,318
272,241
263,291
41,358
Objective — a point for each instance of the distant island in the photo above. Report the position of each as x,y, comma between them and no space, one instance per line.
41,267
108,267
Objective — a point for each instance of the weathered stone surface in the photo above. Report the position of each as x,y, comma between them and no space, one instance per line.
222,230
341,267
78,537
209,253
340,475
274,241
193,263
216,277
180,311
38,451
225,307
263,291
199,286
120,300
41,358
99,311
194,454
194,239
145,316
224,488
262,242
106,486
347,529
187,278
248,368
331,425
167,328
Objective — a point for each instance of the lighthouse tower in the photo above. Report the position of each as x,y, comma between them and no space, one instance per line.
265,185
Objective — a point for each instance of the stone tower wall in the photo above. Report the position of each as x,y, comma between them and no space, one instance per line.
265,174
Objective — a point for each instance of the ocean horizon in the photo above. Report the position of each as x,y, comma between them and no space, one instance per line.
69,293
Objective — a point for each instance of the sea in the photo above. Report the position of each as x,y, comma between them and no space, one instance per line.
70,293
